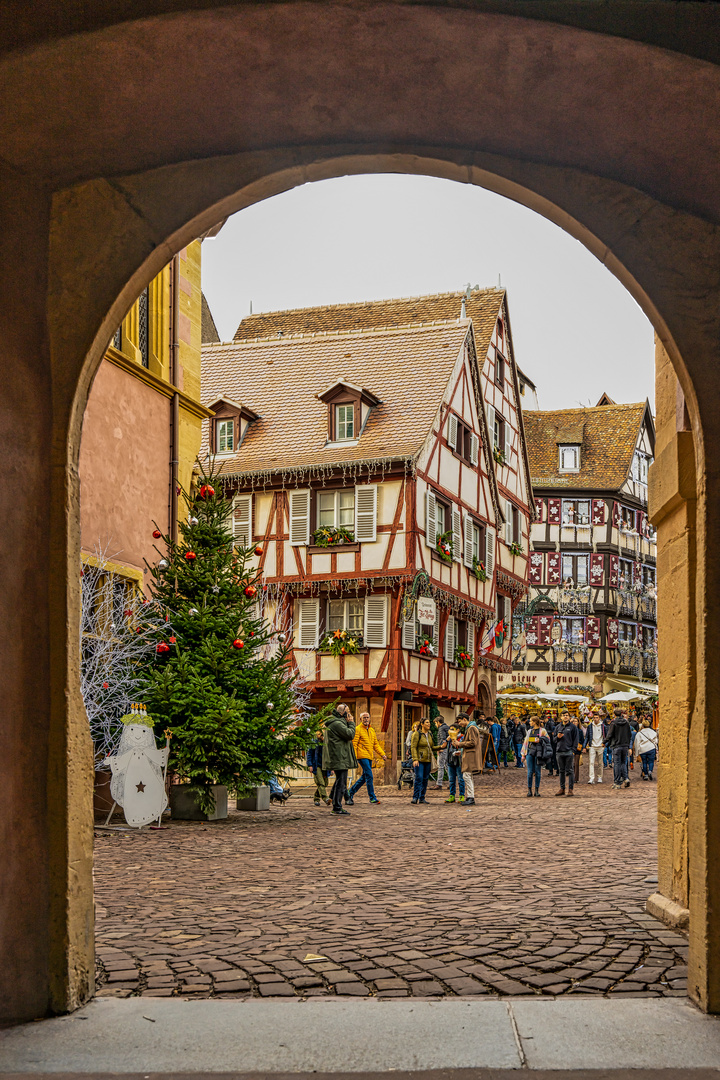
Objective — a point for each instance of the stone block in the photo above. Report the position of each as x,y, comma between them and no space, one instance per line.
258,799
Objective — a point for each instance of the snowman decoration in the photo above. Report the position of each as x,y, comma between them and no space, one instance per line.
138,770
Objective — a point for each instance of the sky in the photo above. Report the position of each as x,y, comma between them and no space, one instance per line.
577,332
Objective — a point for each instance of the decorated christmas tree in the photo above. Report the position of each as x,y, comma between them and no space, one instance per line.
221,680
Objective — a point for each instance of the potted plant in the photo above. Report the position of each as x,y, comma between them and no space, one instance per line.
515,548
444,546
479,569
499,455
463,659
331,537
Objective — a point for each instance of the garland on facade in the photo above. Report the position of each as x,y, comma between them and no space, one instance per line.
495,665
515,588
293,476
279,589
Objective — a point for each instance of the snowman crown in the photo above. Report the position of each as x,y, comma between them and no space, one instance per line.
137,715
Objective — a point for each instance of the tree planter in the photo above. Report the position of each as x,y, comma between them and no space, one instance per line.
258,799
184,803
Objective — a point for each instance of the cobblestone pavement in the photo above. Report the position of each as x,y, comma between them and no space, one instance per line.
514,896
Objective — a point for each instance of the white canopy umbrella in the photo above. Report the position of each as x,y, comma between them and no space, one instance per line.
564,697
623,695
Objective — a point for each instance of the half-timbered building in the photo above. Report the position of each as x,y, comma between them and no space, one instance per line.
591,609
390,506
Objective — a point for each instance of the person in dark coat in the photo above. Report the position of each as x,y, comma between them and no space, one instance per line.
313,760
519,732
567,738
504,743
338,753
552,765
619,738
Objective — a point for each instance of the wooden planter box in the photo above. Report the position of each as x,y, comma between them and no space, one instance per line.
184,804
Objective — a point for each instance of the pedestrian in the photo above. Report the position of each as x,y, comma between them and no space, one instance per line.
619,739
408,738
496,732
503,745
454,760
313,759
645,746
634,728
551,765
338,753
594,747
442,736
519,732
421,751
567,737
471,755
607,752
366,747
535,749
577,753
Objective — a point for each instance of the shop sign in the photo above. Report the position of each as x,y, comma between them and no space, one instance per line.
426,611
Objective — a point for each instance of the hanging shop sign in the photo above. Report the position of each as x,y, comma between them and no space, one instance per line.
426,610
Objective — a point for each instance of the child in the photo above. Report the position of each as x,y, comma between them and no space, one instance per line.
454,760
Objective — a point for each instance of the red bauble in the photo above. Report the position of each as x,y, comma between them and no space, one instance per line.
272,728
190,555
258,551
172,640
207,492
250,591
238,643
163,647
156,534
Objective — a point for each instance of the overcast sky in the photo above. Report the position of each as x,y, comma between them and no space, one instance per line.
577,332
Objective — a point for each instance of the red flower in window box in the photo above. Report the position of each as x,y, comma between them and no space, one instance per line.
190,556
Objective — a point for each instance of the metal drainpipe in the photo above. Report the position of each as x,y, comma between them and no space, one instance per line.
175,405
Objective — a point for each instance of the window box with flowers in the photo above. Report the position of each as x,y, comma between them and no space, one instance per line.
515,548
341,643
424,646
479,569
328,536
463,659
444,546
499,455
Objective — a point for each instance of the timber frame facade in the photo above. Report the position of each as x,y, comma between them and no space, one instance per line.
591,608
381,470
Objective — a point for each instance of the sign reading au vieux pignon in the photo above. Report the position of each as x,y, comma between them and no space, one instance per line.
426,611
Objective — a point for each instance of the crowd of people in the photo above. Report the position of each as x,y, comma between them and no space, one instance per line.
474,744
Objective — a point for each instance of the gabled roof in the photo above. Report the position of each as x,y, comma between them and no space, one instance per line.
609,438
408,368
208,330
481,305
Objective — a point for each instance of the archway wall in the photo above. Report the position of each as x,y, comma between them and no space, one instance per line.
237,103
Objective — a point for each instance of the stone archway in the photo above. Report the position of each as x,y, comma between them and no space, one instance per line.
93,205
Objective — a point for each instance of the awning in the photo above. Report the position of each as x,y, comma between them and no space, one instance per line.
629,682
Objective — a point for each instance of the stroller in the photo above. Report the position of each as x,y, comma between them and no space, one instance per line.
407,774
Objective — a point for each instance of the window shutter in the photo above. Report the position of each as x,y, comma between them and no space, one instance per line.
452,431
536,568
242,520
299,516
430,519
468,542
408,631
598,511
540,505
474,448
544,627
508,440
614,570
376,621
436,630
554,507
637,573
612,633
308,623
470,647
597,569
531,630
592,632
508,522
507,607
449,652
366,512
489,551
616,515
457,533
491,426
553,567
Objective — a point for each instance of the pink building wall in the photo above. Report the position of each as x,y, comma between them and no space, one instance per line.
124,467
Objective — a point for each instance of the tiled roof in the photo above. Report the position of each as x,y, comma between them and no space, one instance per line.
408,369
609,437
207,326
482,306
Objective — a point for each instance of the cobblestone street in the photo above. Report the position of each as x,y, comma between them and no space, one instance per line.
511,897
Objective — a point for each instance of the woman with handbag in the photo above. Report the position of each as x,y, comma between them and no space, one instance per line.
421,752
536,751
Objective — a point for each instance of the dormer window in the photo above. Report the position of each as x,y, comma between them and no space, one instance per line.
348,409
225,434
344,422
569,459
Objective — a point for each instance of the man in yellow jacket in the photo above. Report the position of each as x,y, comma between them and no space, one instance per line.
366,747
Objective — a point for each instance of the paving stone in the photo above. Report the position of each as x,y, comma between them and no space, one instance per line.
354,989
232,987
390,984
276,989
426,989
302,982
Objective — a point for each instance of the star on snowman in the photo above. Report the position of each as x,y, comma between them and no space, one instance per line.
138,769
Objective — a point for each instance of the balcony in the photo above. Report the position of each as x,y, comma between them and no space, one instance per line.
648,608
570,657
630,659
650,665
574,600
627,603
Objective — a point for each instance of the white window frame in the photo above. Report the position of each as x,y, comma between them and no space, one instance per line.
219,425
345,617
336,508
338,422
564,449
